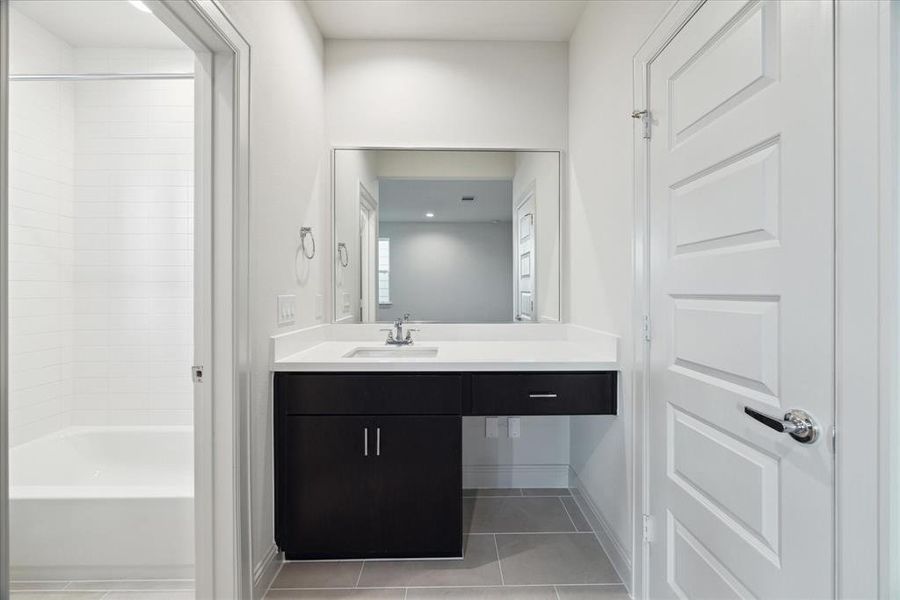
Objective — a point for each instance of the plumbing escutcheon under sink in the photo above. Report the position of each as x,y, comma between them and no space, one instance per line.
393,353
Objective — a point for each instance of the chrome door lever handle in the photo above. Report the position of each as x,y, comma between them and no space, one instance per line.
798,423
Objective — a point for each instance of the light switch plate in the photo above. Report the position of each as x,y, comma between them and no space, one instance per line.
345,300
285,306
514,427
491,427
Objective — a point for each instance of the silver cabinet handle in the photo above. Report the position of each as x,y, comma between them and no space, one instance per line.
378,441
365,441
798,423
542,395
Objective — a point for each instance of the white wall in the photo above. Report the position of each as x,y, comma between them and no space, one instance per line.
133,260
540,171
289,173
450,272
41,224
446,94
600,231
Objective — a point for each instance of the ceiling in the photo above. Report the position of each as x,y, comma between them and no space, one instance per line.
407,200
491,20
99,23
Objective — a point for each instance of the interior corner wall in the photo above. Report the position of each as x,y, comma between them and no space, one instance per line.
600,226
446,94
41,228
289,188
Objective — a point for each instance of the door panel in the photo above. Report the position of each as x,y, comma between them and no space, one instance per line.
325,487
526,272
742,301
418,488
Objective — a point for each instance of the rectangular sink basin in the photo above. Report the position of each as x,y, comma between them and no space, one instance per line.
394,353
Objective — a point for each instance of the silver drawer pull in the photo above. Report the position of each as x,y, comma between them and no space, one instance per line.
378,441
542,395
365,441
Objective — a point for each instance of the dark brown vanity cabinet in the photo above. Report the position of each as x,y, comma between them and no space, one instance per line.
369,465
376,485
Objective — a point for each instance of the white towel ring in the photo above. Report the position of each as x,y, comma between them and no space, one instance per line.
304,232
343,254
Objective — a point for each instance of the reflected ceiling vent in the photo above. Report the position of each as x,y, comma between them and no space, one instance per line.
468,198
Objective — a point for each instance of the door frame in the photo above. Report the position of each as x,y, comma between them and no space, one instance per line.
368,268
222,528
867,212
529,193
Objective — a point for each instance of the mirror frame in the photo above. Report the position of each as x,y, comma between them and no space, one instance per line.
331,314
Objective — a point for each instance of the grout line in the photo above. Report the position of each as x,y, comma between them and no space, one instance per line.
499,565
568,514
362,565
454,587
532,533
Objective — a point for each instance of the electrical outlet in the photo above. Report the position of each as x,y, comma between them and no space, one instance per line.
284,308
491,427
514,427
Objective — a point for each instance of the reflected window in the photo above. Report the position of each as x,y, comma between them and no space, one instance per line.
384,270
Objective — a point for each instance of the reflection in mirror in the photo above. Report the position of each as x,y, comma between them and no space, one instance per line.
446,236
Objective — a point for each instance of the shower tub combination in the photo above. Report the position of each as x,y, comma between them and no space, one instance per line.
103,503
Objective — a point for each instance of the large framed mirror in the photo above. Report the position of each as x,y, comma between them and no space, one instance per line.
446,236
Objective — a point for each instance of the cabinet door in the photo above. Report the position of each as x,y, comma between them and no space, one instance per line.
418,486
324,487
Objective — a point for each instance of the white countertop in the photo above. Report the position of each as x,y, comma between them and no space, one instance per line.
471,355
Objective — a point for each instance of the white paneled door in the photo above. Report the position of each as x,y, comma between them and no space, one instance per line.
742,303
525,266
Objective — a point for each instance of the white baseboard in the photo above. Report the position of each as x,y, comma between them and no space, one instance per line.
515,476
266,571
618,555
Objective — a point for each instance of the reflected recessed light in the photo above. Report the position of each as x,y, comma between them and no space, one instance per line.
140,6
430,215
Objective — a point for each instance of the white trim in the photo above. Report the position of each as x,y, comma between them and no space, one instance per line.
223,531
672,21
865,308
618,555
266,570
515,476
4,304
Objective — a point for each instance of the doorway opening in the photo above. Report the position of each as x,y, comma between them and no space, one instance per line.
101,299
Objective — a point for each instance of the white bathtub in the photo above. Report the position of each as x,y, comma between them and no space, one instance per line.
103,503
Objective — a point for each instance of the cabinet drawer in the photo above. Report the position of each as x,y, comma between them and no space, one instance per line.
368,394
543,394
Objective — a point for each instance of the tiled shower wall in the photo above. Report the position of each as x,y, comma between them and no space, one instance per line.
101,222
41,286
133,256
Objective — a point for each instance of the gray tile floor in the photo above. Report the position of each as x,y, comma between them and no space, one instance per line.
531,544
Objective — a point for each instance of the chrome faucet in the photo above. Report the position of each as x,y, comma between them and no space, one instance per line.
395,334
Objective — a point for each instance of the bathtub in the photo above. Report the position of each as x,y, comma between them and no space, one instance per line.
103,503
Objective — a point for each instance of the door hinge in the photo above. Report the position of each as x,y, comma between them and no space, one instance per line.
197,373
648,531
645,328
644,116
